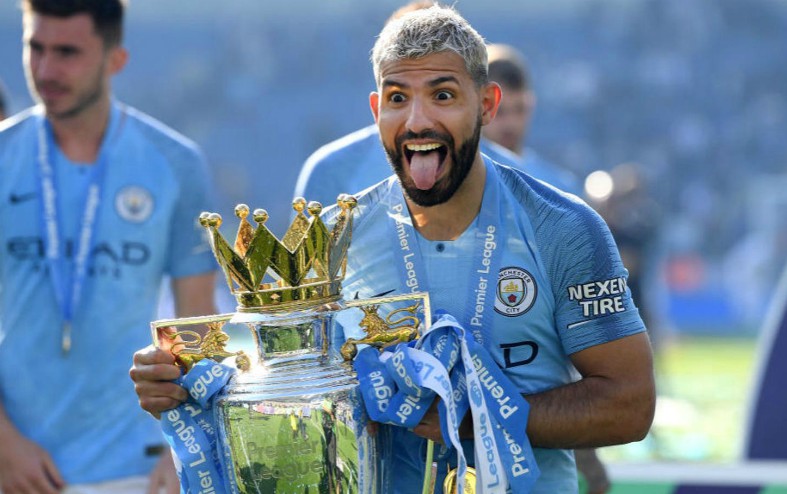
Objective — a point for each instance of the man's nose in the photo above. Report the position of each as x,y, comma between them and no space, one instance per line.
44,66
419,117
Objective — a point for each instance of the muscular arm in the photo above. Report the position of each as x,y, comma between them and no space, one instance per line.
194,295
613,403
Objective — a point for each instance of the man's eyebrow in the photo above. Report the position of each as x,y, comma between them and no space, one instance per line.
434,82
34,43
392,83
443,80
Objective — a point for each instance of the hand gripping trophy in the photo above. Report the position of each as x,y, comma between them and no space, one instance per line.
292,419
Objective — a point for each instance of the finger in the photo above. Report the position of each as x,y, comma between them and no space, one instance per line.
166,389
154,483
162,390
45,485
152,355
172,485
53,473
154,372
157,406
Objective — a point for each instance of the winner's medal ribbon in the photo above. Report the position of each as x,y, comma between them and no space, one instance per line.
464,376
190,430
399,386
69,284
500,416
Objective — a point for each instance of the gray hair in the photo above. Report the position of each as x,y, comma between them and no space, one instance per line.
429,31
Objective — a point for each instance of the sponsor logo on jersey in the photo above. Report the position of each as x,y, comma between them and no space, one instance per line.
134,204
106,259
598,298
519,353
516,291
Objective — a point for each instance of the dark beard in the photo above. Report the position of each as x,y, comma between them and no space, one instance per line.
446,187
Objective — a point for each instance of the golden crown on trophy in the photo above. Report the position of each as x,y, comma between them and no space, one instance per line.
303,270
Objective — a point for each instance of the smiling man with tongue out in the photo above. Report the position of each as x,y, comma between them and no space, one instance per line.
516,261
513,258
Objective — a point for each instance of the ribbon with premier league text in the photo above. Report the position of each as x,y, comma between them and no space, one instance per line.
190,430
489,244
400,384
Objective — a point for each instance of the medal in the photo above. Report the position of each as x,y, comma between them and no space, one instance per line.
449,484
66,340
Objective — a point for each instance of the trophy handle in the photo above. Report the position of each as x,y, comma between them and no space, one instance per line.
384,332
204,338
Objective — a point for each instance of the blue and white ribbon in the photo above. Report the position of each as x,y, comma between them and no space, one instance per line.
190,430
488,250
68,285
399,386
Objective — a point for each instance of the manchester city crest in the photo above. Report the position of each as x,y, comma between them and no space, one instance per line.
134,204
516,291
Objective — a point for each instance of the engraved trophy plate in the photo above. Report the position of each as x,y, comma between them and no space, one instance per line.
292,419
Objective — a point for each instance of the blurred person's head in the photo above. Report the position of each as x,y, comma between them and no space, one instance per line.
71,50
410,7
508,68
433,96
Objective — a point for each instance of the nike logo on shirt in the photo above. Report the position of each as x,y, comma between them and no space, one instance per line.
17,198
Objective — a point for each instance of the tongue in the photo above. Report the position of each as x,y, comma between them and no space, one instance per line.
423,169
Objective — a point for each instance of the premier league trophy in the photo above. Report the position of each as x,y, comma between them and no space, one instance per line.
290,420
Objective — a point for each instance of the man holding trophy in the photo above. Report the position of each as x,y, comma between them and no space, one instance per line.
530,274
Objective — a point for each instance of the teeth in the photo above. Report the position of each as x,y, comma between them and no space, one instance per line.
423,147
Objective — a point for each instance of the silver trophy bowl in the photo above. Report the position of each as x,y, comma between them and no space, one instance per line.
293,421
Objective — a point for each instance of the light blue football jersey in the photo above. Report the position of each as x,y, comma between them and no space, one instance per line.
560,288
81,406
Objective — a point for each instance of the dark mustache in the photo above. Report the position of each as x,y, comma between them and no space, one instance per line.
427,134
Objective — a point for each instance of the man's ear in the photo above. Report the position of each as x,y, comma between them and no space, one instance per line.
118,57
374,101
531,100
490,101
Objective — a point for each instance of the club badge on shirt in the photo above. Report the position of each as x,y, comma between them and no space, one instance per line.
134,203
516,291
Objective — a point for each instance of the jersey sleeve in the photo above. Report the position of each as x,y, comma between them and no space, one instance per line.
190,252
593,303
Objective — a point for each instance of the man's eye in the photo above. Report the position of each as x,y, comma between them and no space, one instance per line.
67,52
444,95
397,98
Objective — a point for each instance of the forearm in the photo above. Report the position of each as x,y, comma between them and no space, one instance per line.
194,295
613,403
588,414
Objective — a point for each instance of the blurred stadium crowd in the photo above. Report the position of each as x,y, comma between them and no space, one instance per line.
693,92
